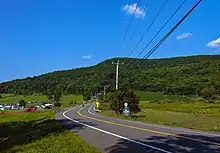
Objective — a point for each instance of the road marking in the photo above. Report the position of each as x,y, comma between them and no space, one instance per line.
164,127
112,134
148,130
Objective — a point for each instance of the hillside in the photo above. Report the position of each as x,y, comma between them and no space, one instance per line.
179,75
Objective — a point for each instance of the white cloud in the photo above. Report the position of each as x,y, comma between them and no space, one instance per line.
130,9
184,36
214,43
87,57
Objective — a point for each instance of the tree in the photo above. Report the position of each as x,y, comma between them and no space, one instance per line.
57,95
120,97
50,97
57,104
22,103
86,94
0,96
208,92
71,102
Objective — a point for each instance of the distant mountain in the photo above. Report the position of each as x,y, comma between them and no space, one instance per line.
179,75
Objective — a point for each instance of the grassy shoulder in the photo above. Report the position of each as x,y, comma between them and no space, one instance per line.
200,116
38,132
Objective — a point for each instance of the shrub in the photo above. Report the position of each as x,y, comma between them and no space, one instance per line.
71,102
57,104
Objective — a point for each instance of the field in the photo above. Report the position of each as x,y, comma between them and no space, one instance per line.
166,110
65,99
152,96
17,98
38,133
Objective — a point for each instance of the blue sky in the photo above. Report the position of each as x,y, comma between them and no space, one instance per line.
47,35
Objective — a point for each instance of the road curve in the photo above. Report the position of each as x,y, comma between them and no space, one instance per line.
112,135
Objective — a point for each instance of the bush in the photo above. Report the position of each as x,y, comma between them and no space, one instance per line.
22,103
208,93
71,102
57,104
120,97
183,98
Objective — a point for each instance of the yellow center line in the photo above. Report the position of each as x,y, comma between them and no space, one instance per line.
148,130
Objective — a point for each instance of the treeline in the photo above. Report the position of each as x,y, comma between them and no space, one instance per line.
181,75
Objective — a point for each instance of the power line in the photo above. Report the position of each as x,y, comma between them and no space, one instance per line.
159,31
149,27
133,15
167,35
139,21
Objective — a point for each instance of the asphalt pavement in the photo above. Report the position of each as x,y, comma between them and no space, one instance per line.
113,135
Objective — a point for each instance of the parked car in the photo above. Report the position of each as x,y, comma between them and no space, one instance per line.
48,106
2,108
30,109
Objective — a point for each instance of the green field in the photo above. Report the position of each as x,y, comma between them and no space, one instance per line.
194,115
152,96
65,100
38,133
17,98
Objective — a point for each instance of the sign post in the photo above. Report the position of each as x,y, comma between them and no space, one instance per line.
126,109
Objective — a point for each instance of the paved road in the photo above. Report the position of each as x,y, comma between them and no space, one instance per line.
112,135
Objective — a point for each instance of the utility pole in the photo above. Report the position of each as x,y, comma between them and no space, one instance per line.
105,87
117,67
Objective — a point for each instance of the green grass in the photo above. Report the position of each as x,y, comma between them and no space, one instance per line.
184,107
196,116
152,96
65,100
17,98
38,133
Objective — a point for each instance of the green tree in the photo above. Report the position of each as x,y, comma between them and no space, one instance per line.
50,97
71,102
22,103
57,95
86,94
208,92
0,96
118,98
57,104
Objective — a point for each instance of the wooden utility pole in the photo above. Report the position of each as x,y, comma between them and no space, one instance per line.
117,68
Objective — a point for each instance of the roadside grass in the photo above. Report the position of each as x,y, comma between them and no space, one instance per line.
38,132
209,120
153,96
184,107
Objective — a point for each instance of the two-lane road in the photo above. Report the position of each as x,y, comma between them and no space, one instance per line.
114,135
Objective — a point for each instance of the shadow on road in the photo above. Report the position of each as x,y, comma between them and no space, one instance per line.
18,133
168,143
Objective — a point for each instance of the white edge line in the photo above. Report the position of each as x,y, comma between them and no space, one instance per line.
112,134
164,127
96,109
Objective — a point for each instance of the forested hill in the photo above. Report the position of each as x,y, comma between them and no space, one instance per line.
179,75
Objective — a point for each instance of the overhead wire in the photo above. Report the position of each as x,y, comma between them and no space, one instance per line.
159,31
149,27
139,21
167,35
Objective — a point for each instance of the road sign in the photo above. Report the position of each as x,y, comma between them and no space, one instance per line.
97,104
126,109
126,104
